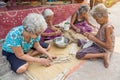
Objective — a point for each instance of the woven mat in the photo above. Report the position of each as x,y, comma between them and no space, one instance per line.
39,72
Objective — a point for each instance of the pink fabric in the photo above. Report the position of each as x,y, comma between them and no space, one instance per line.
10,19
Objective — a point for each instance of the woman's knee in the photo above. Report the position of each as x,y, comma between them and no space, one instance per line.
80,55
22,69
48,48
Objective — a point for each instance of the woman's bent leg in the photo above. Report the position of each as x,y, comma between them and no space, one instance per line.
22,68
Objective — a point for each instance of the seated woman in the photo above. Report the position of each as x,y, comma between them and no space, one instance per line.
51,32
80,22
21,39
103,42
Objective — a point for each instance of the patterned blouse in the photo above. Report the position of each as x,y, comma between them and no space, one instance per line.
15,38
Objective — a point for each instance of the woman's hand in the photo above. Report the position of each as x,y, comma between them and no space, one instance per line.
77,30
43,61
46,62
86,34
58,32
91,37
51,57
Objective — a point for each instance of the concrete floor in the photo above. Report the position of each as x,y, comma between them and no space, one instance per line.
94,70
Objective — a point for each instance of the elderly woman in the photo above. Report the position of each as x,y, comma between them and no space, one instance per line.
51,32
104,40
80,20
20,40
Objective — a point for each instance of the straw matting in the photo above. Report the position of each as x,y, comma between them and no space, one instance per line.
39,72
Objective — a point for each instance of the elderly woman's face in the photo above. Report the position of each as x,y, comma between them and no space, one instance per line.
99,20
84,14
49,18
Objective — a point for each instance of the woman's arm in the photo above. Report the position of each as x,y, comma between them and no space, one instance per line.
108,43
109,31
48,34
20,54
42,50
55,32
73,18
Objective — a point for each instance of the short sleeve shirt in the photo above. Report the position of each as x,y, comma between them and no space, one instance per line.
15,38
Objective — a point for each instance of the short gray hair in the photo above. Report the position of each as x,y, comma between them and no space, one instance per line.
34,23
47,12
100,11
83,8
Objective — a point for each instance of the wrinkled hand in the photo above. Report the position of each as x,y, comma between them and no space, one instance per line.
77,30
58,32
91,37
44,62
51,57
86,34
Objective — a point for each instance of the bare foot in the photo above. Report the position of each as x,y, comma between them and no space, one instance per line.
106,60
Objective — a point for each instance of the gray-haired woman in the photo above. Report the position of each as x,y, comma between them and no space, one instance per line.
80,20
103,45
20,40
51,32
